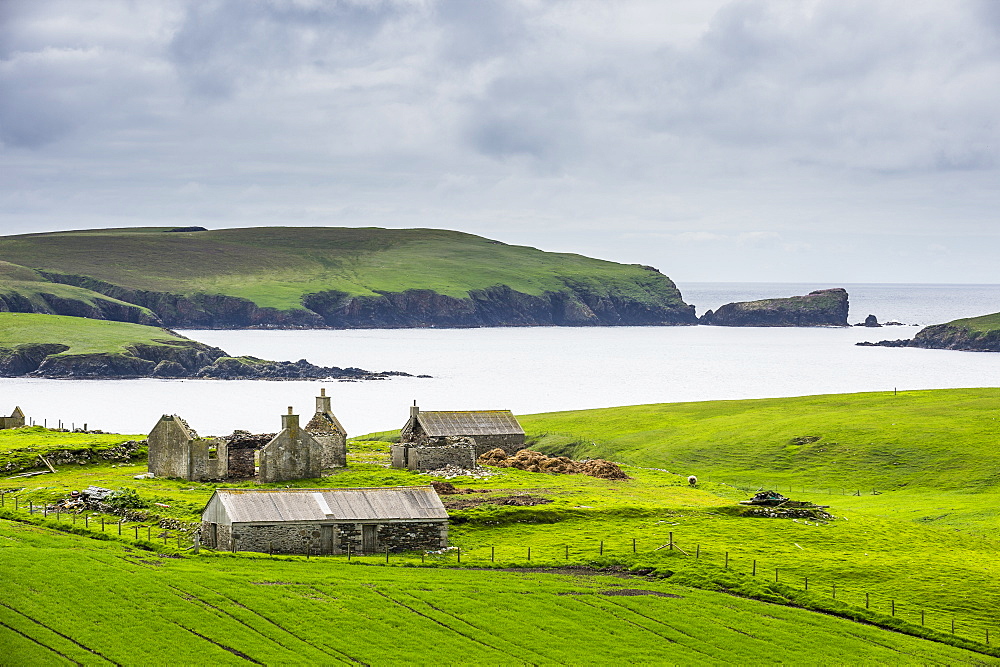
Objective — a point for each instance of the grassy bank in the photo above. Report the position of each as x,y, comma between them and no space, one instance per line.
231,610
80,334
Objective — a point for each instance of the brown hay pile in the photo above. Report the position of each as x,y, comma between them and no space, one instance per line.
532,461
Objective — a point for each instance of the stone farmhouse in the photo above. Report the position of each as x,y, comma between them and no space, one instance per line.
16,419
327,429
176,450
433,439
325,521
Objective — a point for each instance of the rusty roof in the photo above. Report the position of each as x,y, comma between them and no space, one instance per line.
470,422
359,504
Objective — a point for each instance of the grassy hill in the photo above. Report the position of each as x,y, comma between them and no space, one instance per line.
68,599
81,335
916,557
944,439
317,275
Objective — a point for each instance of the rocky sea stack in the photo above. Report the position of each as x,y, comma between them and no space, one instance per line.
821,308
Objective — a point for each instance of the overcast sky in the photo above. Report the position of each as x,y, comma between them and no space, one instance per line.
830,141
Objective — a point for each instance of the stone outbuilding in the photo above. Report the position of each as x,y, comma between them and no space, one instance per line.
16,419
329,432
325,521
176,450
434,439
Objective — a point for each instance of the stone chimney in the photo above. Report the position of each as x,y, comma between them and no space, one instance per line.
414,410
291,422
323,402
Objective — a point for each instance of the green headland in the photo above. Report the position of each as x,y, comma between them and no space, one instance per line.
342,277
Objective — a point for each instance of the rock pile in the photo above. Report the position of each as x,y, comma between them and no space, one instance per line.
533,461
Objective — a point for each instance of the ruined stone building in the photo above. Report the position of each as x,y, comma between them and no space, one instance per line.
176,450
327,429
325,521
433,439
16,419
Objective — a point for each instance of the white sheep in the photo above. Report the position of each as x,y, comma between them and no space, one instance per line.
692,480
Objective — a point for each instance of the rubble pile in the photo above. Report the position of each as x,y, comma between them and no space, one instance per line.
773,505
452,471
533,461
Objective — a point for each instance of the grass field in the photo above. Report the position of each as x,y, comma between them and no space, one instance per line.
82,335
923,549
234,610
20,447
276,266
943,439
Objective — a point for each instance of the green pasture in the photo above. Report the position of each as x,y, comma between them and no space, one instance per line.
82,335
911,480
73,600
20,447
277,266
982,324
942,439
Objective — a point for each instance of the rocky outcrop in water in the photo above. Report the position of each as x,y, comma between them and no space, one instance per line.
821,308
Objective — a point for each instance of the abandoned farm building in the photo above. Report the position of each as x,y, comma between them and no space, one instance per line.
16,419
325,521
433,439
295,452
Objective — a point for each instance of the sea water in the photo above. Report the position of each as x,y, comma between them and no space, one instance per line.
542,369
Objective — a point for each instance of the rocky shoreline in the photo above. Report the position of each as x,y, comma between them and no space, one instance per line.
947,336
187,360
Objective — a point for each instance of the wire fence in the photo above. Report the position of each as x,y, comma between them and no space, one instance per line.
580,553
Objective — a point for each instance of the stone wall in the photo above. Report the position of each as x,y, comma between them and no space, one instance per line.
241,463
334,449
209,460
292,454
223,542
431,457
318,539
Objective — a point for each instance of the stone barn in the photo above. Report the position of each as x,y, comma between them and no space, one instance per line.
176,450
433,439
325,521
328,431
16,419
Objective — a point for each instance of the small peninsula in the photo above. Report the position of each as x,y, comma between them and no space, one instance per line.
60,346
821,308
974,334
324,277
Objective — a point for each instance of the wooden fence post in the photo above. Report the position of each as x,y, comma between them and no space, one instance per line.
601,553
866,600
459,554
529,553
387,554
921,617
892,604
953,625
775,575
835,591
493,553
755,567
697,552
102,524
727,560
633,545
149,533
567,552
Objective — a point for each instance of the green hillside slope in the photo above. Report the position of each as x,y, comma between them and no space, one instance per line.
68,599
347,277
945,439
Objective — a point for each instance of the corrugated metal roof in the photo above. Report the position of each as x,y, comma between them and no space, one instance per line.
471,422
267,505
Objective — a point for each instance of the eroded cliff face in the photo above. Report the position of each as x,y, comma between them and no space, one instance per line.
954,337
98,309
498,306
577,305
821,308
